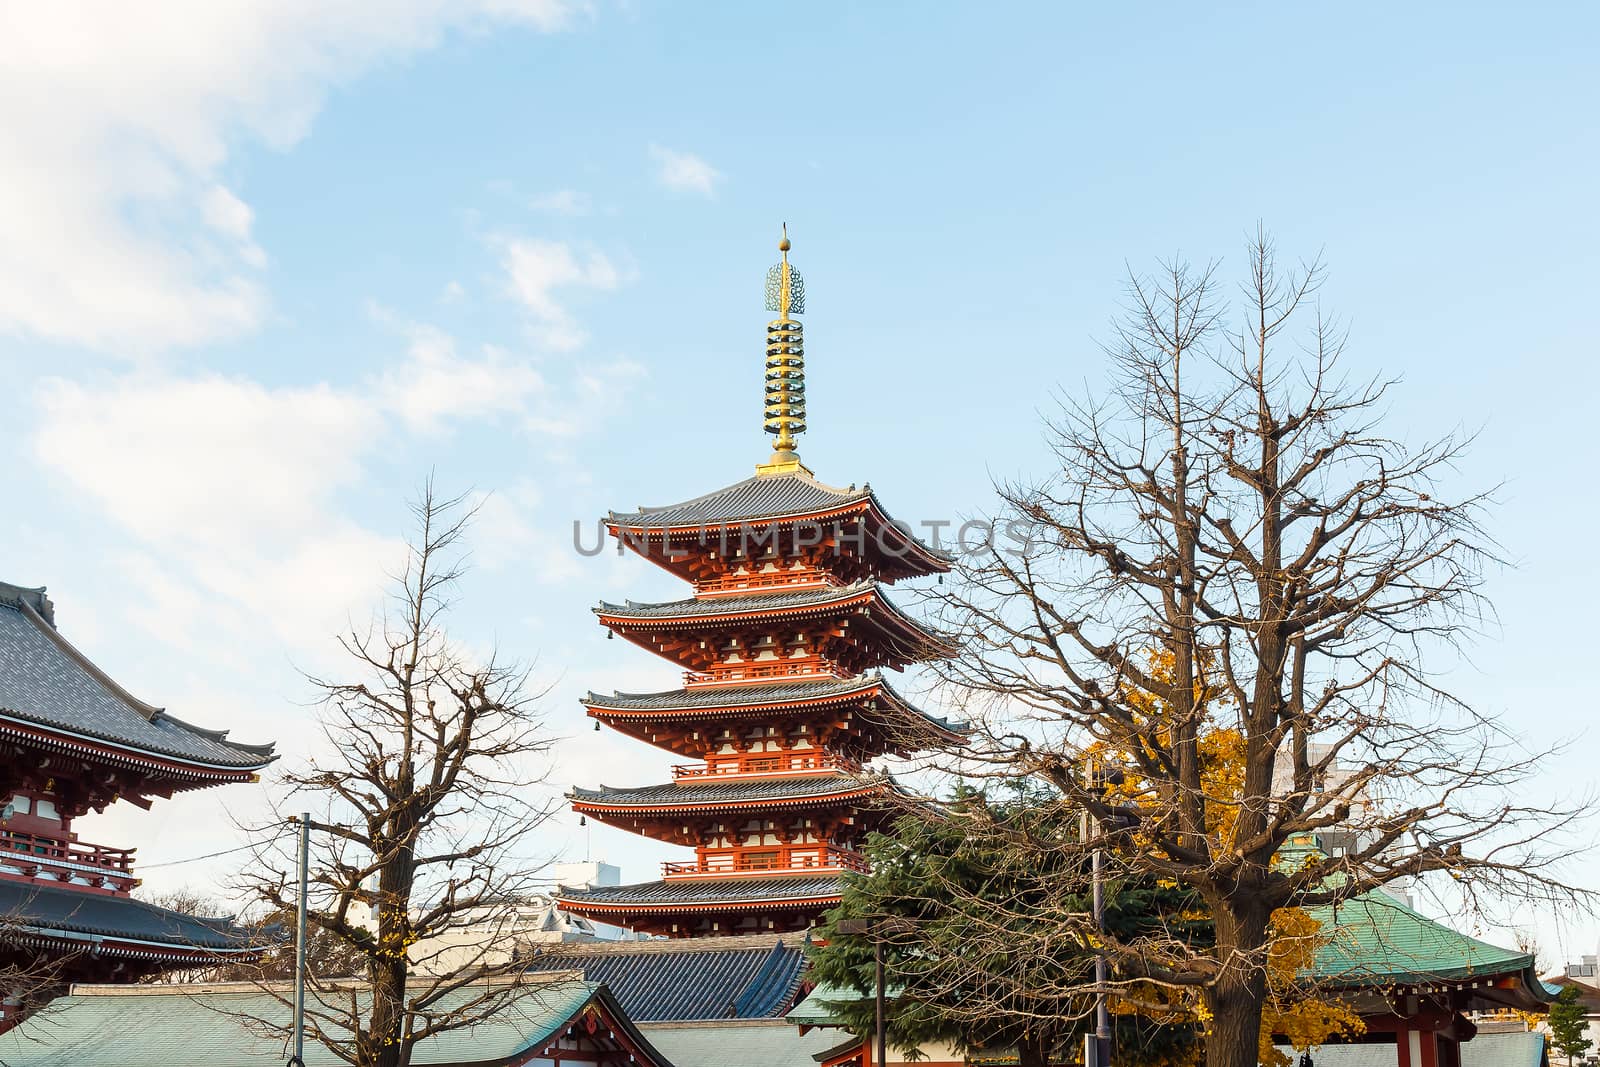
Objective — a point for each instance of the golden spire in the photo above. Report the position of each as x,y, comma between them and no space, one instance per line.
786,364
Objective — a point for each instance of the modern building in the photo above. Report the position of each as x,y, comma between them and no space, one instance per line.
73,742
783,702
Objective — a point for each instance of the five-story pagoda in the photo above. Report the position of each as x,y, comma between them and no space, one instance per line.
782,703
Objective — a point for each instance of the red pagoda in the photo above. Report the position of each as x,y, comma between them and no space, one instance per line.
782,703
74,742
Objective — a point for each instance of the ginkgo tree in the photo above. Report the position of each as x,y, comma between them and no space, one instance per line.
1233,501
982,902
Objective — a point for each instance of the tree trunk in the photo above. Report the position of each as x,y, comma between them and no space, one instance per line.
383,1046
1031,1052
1239,993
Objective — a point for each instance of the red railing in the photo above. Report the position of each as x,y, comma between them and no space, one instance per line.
765,763
810,667
727,584
35,855
775,861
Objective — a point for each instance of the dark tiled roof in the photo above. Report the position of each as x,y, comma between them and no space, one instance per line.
43,909
728,605
682,982
758,696
708,891
737,695
763,497
45,681
687,794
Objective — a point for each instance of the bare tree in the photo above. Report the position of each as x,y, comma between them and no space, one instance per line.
420,812
1231,543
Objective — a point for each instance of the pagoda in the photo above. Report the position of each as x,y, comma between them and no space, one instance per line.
73,741
782,647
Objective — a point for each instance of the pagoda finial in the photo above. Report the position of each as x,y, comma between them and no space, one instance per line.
786,363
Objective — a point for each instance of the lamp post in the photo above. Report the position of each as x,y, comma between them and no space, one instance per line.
870,927
1097,1046
298,1059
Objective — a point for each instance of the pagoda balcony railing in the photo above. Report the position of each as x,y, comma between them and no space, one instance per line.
765,581
37,857
765,764
763,671
775,862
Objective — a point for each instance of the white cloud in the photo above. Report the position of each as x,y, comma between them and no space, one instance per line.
240,489
536,269
235,480
685,172
115,231
562,202
435,384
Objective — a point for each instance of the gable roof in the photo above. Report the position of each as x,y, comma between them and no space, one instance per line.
753,977
46,682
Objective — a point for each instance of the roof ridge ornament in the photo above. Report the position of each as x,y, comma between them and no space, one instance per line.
786,365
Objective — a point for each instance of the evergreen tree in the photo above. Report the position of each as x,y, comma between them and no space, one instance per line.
942,977
1568,1026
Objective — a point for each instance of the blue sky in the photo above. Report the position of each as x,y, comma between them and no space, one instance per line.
261,271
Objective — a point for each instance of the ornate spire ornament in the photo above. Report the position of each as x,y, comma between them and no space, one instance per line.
786,363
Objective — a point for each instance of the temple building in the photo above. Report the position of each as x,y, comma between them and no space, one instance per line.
75,742
783,703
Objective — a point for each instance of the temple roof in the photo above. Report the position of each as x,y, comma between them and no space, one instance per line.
748,603
765,496
47,911
735,696
46,682
1378,940
757,697
801,604
199,1025
750,977
782,499
674,795
740,1043
731,892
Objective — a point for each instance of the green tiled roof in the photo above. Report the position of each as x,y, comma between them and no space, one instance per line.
739,1043
818,1007
149,1027
1378,940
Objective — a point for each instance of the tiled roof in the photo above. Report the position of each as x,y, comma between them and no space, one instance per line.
708,891
47,909
734,605
691,794
688,980
734,696
200,1026
1378,940
1525,1049
765,496
739,1044
759,696
47,682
